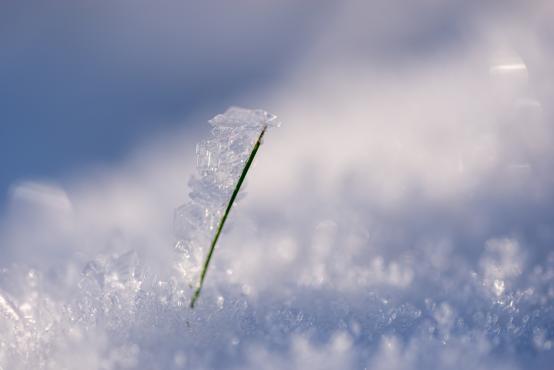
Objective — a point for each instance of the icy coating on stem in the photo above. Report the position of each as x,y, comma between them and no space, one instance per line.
220,162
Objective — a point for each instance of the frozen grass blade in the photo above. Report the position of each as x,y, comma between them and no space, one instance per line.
225,215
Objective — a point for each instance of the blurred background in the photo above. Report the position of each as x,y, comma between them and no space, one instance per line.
82,83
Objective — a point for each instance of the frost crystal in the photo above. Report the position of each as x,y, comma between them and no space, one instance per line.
219,163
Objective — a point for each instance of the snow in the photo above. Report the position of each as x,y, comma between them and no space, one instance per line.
289,292
401,219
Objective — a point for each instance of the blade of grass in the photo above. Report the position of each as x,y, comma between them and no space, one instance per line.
224,218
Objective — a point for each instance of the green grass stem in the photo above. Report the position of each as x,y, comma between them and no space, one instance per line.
224,218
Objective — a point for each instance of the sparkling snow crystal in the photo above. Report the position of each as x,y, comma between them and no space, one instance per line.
220,161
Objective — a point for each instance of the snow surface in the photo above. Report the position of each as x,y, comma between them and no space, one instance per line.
376,287
402,218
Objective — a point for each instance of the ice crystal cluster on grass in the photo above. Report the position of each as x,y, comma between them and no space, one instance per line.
220,161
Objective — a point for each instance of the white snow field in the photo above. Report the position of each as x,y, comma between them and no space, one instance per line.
401,218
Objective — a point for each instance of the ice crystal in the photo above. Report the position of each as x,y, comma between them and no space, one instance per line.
219,163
